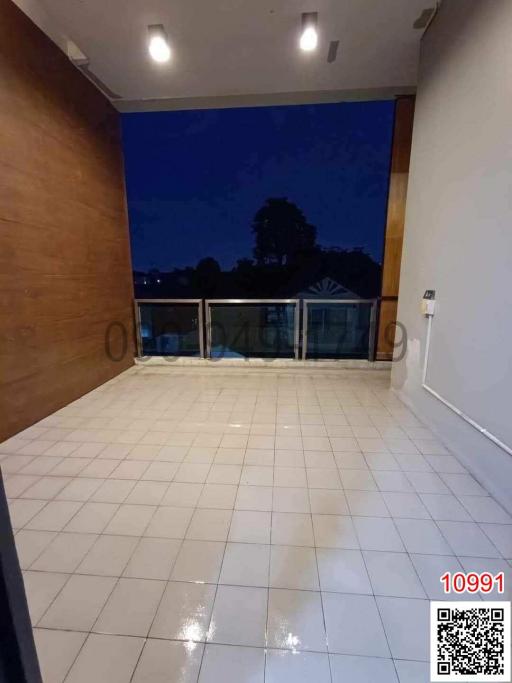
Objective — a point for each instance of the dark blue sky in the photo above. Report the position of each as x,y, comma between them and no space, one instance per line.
195,179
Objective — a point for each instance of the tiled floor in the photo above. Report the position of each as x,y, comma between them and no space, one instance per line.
239,527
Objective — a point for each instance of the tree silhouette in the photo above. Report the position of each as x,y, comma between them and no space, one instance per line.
281,233
207,276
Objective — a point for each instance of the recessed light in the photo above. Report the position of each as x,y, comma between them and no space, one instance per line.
158,45
309,36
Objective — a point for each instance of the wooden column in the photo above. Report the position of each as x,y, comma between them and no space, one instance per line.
400,156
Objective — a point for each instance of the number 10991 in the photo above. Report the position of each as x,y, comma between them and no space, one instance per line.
472,582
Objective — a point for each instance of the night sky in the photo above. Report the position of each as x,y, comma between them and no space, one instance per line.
195,179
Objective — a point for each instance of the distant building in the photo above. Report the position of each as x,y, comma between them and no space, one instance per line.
327,288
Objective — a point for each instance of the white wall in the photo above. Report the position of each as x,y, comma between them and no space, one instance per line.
458,235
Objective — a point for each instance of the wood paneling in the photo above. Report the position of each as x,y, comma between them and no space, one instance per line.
64,249
400,155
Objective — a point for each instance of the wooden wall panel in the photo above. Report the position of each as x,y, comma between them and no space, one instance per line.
65,272
400,155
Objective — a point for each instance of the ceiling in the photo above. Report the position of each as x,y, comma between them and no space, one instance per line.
239,51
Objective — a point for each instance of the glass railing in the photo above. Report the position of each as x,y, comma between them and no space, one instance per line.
338,328
257,328
248,328
169,327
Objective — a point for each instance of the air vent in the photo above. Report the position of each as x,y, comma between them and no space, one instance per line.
333,51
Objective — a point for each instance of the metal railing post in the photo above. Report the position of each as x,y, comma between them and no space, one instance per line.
304,329
373,329
296,336
138,337
200,320
208,328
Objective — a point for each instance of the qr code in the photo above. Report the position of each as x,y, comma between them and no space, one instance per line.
470,641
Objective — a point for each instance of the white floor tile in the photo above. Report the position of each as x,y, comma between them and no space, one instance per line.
255,475
130,520
412,672
56,651
407,505
106,659
108,556
293,567
444,507
289,499
246,564
283,666
218,496
397,615
485,509
250,527
430,568
422,536
239,616
147,493
92,518
367,503
463,485
393,574
334,531
169,522
54,516
224,474
323,478
254,498
180,494
198,561
231,664
30,544
209,525
290,476
342,571
113,491
64,553
184,612
79,603
22,511
153,558
295,620
353,625
41,588
164,661
79,489
375,533
362,669
358,480
466,538
130,609
290,528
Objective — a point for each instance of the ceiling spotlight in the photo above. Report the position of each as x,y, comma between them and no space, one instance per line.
309,36
158,45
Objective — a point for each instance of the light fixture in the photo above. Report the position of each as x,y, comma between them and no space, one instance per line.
309,36
158,45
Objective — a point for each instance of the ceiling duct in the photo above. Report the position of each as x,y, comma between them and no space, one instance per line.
81,61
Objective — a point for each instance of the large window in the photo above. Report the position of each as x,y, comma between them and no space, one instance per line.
268,202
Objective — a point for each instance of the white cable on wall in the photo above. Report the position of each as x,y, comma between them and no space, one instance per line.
449,405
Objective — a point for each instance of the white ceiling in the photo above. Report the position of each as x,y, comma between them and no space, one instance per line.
239,50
